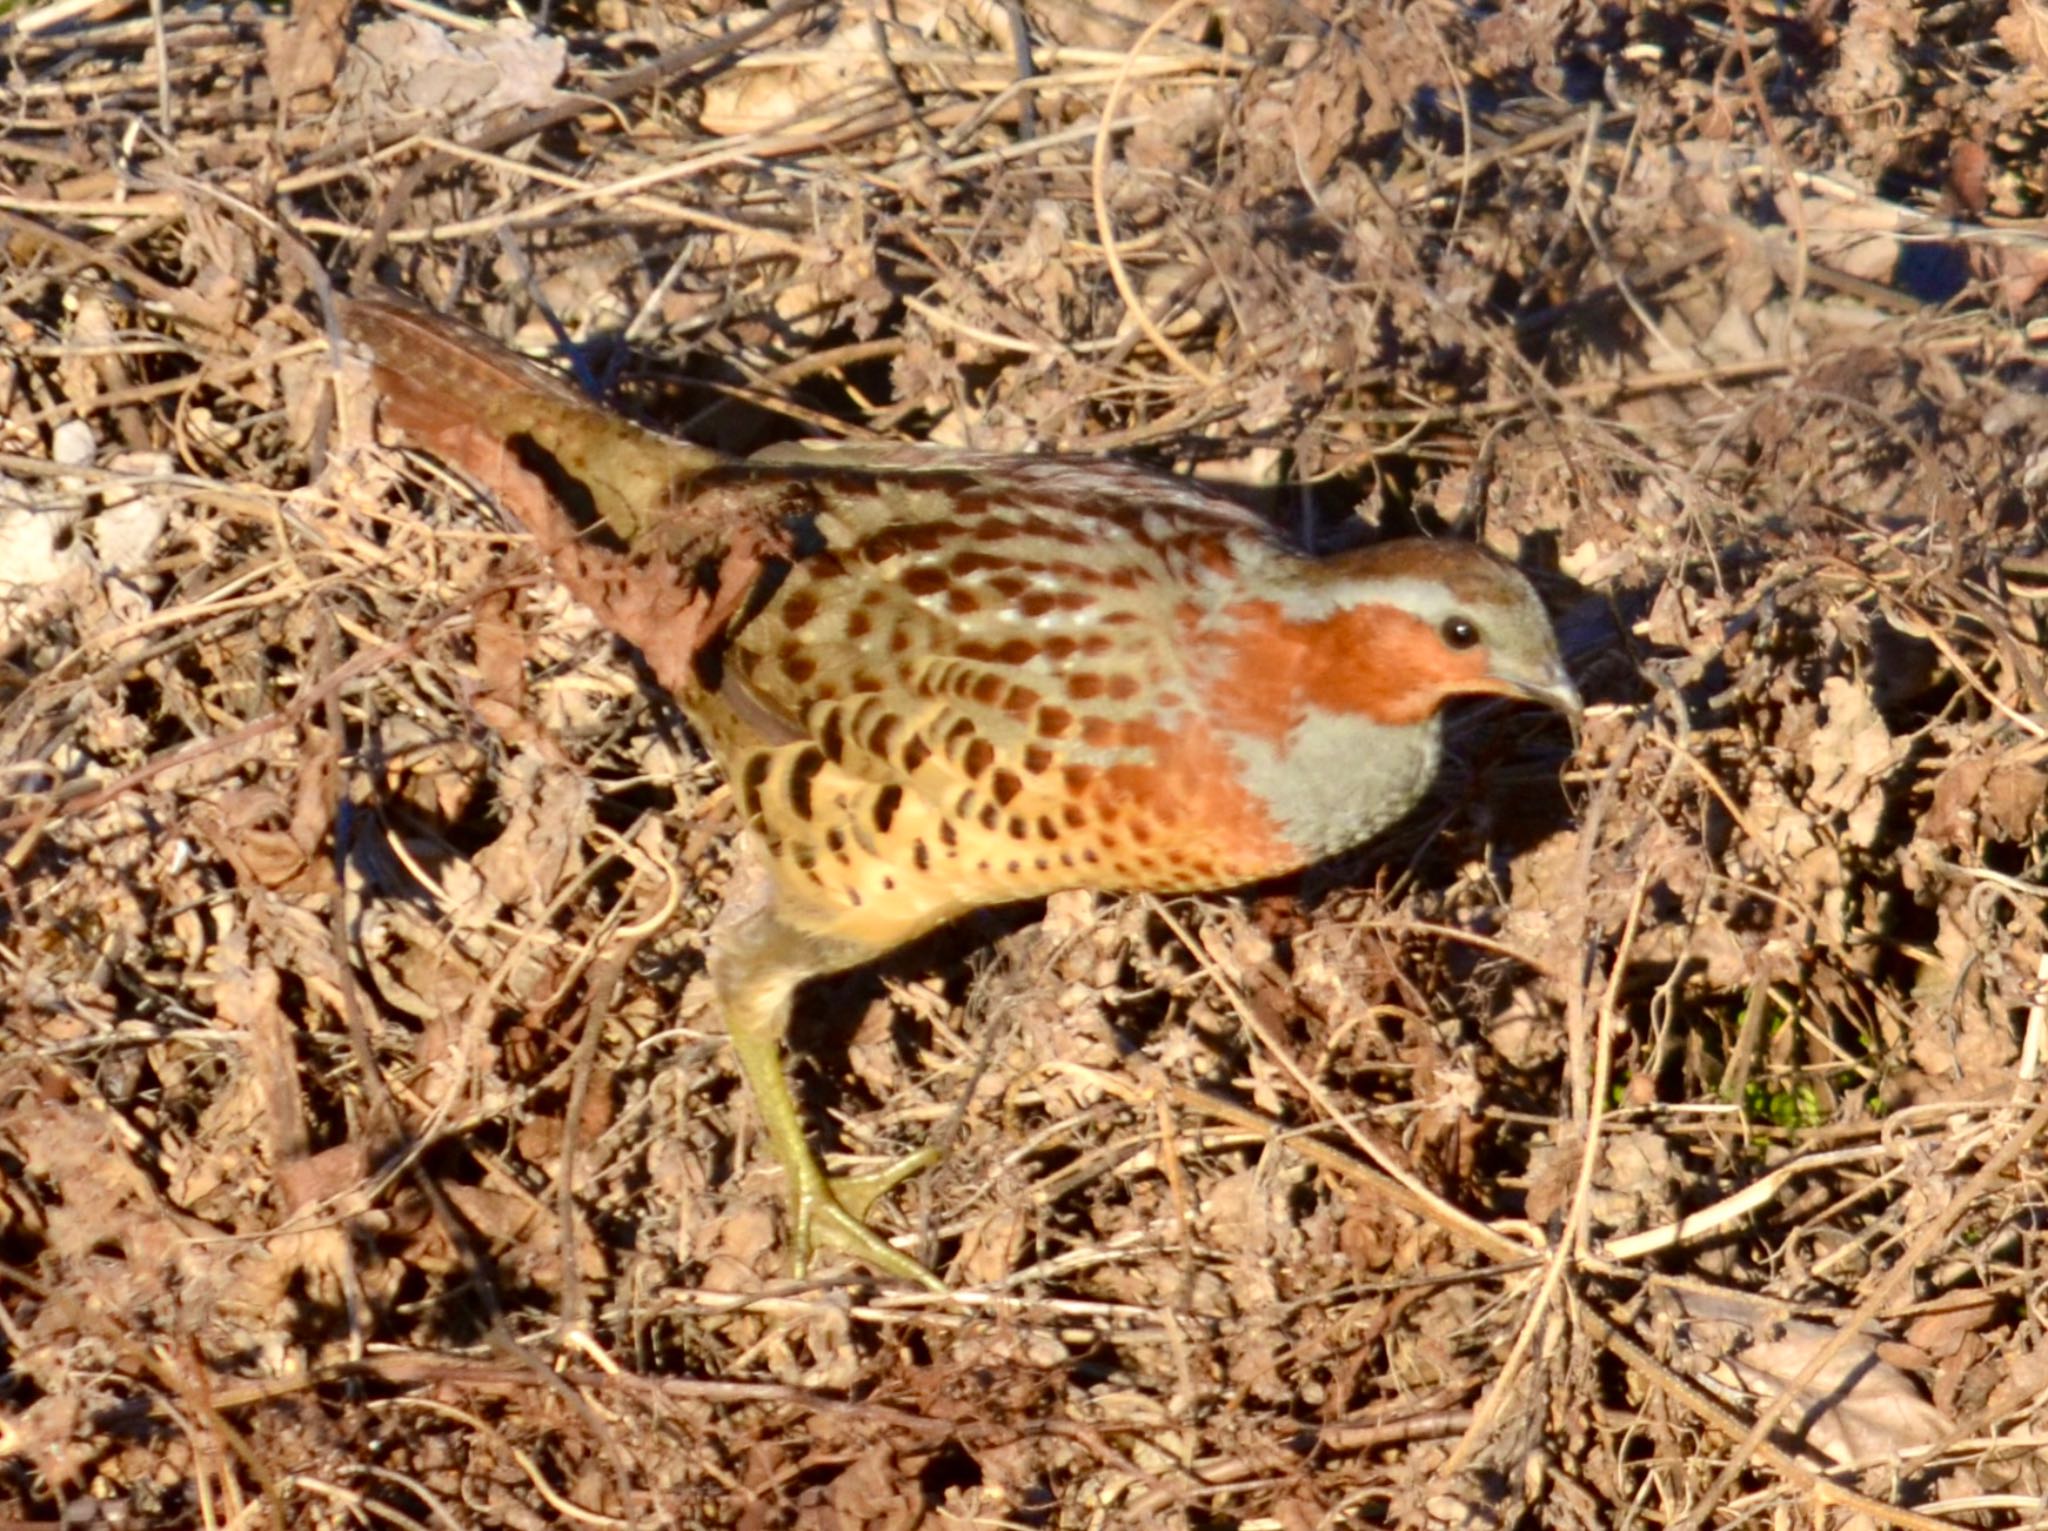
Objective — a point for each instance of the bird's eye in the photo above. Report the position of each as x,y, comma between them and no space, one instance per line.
1459,632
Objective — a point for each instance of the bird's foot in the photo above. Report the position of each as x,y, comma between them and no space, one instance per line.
831,1212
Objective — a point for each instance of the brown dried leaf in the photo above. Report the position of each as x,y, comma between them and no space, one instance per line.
1859,1409
304,53
1942,1329
410,65
2023,32
1849,755
524,867
248,1003
501,654
2010,809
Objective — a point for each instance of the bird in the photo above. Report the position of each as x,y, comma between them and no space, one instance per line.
940,680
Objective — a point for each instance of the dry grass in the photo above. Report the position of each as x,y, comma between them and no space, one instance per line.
1644,1138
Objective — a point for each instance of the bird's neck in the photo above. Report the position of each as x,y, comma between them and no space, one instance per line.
1338,778
1330,715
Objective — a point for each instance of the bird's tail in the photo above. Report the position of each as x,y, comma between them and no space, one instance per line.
641,529
544,450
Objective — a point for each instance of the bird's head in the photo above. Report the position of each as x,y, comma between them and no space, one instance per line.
1466,623
1390,633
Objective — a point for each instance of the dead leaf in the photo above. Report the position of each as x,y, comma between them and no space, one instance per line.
1858,1410
304,54
2023,32
248,1001
1850,753
1942,1328
410,65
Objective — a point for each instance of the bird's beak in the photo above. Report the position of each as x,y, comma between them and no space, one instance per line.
1550,686
1547,684
1554,689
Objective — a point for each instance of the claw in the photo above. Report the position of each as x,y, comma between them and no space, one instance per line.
831,1213
857,1193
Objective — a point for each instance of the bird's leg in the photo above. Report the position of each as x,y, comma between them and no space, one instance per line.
757,965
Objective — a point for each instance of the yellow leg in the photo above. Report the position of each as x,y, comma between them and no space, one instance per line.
757,966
